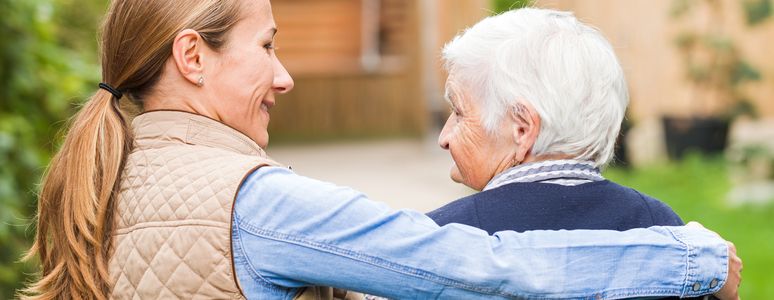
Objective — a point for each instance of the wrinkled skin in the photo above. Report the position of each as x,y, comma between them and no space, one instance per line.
478,154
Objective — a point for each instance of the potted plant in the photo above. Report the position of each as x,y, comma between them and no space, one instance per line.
715,69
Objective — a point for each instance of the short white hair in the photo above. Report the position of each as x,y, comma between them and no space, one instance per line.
565,69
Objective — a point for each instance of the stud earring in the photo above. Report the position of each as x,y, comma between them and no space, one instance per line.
201,81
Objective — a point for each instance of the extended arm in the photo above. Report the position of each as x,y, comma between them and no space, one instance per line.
296,231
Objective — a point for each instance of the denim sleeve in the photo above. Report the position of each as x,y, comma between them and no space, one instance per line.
296,231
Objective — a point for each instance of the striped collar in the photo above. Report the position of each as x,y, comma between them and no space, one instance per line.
563,172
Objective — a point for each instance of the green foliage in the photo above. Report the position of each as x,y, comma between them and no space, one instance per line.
501,6
696,189
686,40
712,60
743,71
680,8
757,11
40,79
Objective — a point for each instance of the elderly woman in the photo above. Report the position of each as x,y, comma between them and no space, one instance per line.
537,101
184,203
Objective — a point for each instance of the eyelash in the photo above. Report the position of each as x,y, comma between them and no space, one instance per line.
269,46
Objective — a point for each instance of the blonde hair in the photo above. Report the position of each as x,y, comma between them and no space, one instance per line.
75,220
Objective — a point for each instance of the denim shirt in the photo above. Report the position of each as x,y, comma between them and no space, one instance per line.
291,231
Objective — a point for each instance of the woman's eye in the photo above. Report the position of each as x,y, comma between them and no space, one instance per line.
454,117
269,46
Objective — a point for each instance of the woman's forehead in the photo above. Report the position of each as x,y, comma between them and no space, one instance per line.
455,88
258,15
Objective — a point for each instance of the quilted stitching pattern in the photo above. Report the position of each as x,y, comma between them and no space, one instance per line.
193,185
174,208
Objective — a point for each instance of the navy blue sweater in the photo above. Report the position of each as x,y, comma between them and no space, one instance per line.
533,206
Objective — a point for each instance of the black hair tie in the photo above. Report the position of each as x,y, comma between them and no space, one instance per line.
116,93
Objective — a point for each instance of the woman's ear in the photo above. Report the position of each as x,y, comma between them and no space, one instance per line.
526,128
187,52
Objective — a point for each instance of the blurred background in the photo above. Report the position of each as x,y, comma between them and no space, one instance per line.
367,106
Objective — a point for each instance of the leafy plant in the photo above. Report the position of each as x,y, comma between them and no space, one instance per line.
40,82
757,11
500,6
713,62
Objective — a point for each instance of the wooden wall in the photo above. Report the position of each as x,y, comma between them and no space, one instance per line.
321,42
335,95
319,36
349,106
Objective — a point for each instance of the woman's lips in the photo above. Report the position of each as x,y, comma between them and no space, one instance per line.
266,105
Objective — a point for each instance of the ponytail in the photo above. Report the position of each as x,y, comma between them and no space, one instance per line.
76,204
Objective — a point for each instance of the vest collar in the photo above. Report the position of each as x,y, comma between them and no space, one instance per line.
156,129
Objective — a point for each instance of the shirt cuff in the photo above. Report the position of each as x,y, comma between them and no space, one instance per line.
707,260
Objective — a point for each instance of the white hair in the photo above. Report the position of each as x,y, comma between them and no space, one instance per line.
562,67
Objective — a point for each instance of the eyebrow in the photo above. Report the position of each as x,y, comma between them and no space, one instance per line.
448,98
273,31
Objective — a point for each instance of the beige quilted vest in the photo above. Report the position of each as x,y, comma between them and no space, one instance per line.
173,228
173,237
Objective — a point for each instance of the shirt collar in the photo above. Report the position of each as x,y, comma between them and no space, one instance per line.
578,171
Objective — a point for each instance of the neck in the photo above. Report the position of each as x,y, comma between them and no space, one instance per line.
170,104
507,165
531,158
184,99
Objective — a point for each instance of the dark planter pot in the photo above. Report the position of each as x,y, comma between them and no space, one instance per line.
703,135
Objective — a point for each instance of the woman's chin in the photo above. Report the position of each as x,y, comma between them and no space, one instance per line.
455,175
260,138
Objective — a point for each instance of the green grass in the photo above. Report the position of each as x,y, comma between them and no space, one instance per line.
696,189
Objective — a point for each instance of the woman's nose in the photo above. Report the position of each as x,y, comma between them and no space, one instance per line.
443,138
444,144
283,82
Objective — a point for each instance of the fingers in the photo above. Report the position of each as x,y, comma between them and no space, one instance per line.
730,289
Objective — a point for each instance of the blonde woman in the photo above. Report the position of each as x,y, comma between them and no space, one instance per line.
182,202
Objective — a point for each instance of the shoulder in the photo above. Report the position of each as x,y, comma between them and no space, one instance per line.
272,180
461,211
266,186
278,197
659,212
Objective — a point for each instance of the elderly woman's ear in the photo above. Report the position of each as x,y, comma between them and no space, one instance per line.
525,130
